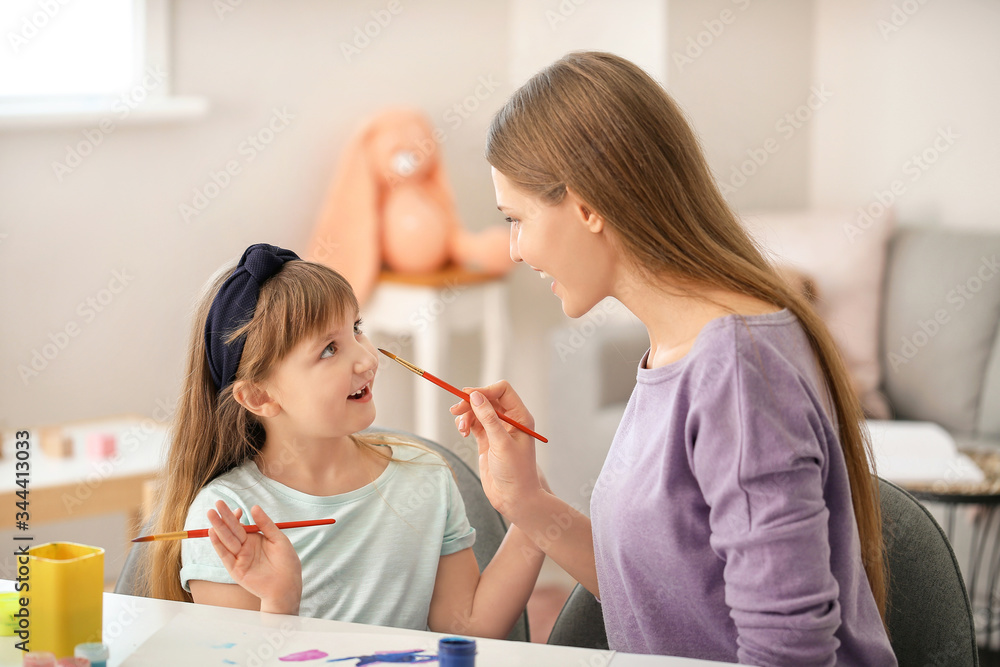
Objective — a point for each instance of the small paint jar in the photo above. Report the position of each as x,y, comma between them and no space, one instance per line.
39,659
10,604
456,652
73,662
96,652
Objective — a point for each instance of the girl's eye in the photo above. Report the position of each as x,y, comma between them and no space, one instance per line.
512,221
331,349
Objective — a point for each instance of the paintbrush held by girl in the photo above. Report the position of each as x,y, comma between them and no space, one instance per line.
278,386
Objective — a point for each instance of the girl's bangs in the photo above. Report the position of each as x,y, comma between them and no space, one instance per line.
302,301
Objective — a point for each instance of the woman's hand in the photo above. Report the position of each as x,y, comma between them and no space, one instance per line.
263,563
507,466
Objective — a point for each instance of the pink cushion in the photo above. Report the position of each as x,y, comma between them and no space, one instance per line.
844,252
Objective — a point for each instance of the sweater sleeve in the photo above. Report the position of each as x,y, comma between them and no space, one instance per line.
758,451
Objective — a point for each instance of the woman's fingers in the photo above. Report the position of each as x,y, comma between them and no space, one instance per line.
503,400
487,418
506,401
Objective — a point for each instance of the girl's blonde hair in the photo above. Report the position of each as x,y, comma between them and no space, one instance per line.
599,125
211,432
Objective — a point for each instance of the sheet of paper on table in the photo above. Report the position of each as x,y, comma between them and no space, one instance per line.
912,452
190,641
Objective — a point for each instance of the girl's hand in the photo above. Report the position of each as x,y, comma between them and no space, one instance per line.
507,466
263,563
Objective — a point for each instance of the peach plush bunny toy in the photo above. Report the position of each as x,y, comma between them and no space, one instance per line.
390,203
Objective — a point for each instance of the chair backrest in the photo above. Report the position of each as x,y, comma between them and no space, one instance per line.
581,622
929,615
489,524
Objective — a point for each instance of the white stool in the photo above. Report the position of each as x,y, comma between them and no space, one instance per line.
429,309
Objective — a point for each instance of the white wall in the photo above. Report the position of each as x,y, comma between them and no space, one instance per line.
904,74
737,68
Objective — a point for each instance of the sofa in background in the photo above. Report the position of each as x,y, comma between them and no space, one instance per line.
940,332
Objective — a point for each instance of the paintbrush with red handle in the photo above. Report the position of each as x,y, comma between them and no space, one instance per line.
458,392
203,532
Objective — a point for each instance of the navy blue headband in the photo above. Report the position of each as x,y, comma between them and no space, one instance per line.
234,306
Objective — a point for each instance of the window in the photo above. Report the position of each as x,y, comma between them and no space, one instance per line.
76,49
66,61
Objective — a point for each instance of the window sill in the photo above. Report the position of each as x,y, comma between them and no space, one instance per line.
89,113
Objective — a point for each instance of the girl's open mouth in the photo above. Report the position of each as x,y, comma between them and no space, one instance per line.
361,394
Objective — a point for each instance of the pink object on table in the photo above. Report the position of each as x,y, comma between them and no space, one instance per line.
73,662
100,445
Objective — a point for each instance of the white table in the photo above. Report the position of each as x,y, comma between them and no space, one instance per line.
62,489
428,310
130,621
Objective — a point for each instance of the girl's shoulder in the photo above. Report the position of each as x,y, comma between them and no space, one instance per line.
235,487
246,472
232,483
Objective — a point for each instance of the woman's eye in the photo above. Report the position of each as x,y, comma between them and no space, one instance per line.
512,221
328,351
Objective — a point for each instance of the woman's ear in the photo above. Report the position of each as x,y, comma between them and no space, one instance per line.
590,219
256,399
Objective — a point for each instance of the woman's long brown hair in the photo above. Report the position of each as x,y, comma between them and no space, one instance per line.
599,125
211,432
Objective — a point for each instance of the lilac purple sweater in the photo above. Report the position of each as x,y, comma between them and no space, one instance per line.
723,524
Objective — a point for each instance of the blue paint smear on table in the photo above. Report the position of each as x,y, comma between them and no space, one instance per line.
378,658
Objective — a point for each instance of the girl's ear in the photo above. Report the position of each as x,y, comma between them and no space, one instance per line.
255,399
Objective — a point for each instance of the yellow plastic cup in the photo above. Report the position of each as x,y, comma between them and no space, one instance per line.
65,596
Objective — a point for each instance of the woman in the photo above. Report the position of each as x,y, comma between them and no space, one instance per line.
735,517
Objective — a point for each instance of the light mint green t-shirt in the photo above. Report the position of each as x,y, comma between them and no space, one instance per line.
376,564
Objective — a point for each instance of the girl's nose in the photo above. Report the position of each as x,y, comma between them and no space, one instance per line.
515,256
366,362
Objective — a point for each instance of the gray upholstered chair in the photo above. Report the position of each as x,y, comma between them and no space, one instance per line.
929,615
489,524
581,622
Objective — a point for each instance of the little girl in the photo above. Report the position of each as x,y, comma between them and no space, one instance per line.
278,384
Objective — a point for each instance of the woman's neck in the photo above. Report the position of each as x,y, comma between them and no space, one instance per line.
674,318
318,467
